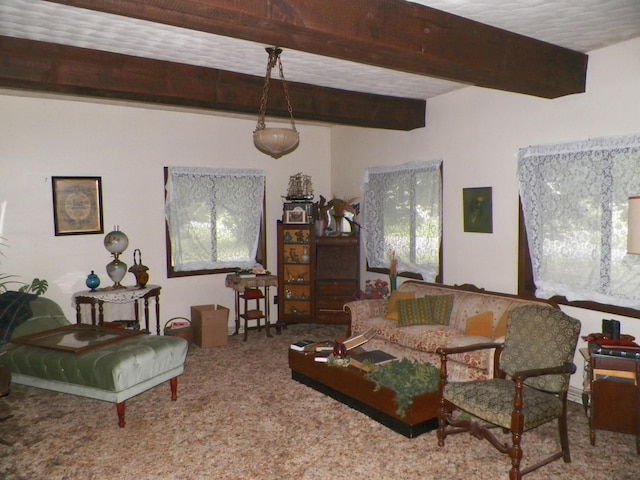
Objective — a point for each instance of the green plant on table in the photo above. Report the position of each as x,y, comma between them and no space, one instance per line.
408,379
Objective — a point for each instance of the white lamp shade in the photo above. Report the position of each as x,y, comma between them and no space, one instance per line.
633,225
276,142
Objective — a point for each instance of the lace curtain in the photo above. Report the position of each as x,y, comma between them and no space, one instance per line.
214,217
574,199
402,213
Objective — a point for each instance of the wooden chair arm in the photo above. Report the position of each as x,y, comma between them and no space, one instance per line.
567,367
444,351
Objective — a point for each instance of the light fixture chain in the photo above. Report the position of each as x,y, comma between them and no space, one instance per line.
286,93
265,96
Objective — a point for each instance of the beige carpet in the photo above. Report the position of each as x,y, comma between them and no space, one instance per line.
240,416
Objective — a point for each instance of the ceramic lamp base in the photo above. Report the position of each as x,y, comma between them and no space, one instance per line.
116,270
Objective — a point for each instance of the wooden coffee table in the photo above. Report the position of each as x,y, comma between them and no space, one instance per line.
349,386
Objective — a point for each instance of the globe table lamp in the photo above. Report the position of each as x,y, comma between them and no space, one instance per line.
116,242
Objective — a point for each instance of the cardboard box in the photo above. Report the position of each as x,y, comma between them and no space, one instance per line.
210,325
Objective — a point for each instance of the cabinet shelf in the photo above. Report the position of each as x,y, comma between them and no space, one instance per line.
252,314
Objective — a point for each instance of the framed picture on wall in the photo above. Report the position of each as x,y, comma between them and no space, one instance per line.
77,205
477,209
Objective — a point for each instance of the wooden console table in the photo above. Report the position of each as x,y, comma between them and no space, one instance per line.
119,295
239,284
612,394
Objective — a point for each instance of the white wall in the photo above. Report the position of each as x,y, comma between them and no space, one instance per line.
477,132
127,146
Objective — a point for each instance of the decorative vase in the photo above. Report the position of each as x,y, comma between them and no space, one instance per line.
93,281
339,350
393,282
305,255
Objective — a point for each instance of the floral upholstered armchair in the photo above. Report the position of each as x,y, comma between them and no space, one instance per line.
529,388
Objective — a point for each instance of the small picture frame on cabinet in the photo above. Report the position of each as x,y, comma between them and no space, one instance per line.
297,215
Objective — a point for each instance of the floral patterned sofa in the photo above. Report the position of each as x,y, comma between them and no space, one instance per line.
468,315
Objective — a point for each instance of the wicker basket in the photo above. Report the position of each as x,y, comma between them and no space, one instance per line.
185,332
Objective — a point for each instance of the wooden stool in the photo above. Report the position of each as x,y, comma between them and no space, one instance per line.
258,314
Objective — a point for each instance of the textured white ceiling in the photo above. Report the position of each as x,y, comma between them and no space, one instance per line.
581,25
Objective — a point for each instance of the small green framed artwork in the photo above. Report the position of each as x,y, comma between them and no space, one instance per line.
477,209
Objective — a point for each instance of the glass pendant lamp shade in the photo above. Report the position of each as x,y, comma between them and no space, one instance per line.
633,226
276,142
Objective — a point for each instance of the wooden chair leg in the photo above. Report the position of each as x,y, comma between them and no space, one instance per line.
564,438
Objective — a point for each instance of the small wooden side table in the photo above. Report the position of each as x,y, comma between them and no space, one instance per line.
239,284
612,394
119,295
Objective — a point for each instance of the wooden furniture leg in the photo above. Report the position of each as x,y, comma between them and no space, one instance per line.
173,383
120,410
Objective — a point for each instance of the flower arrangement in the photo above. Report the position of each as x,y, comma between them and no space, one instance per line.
393,269
377,288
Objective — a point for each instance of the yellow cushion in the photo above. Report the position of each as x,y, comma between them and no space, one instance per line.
501,327
480,325
392,305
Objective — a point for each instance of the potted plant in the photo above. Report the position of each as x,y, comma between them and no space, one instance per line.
37,286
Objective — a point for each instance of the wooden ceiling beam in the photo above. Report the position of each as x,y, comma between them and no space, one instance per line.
53,68
393,34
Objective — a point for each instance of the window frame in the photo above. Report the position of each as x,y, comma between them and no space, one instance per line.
261,252
415,275
527,286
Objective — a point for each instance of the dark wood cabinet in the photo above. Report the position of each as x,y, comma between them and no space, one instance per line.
337,276
614,393
316,275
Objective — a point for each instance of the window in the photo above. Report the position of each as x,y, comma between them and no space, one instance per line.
574,203
402,213
214,219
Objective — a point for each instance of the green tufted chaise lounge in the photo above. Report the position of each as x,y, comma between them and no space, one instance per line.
113,373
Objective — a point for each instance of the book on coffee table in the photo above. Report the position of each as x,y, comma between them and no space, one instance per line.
301,345
322,357
313,346
360,339
365,360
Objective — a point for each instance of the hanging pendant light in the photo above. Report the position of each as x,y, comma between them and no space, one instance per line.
275,142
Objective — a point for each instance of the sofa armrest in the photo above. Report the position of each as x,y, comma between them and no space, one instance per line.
369,308
444,351
361,310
